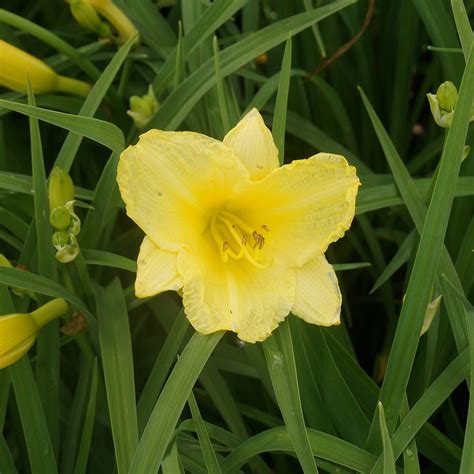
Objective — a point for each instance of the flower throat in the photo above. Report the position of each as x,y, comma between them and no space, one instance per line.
236,239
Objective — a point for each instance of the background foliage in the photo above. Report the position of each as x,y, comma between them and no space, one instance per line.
116,398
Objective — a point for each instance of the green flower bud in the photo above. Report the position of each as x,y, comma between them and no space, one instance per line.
60,188
60,218
87,17
60,239
447,96
67,254
143,108
66,245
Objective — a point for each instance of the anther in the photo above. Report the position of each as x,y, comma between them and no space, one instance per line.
225,246
265,227
244,239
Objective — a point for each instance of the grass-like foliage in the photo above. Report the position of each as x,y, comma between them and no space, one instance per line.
125,384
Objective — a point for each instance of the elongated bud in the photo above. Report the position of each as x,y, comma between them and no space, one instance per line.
17,66
88,18
447,96
18,331
143,108
60,188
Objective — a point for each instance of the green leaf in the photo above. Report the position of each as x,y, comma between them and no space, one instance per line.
428,403
324,446
426,261
47,367
23,184
117,361
221,96
213,17
86,438
160,427
208,452
463,26
180,102
281,105
414,192
42,285
161,368
401,257
281,364
105,200
102,132
7,466
70,146
388,460
109,259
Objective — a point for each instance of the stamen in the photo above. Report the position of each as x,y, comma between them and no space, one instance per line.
265,227
231,235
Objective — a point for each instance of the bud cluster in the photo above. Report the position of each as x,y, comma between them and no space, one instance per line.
62,216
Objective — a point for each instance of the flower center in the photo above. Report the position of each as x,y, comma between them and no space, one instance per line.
236,239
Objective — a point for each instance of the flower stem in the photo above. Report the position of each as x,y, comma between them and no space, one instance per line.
119,20
49,311
73,86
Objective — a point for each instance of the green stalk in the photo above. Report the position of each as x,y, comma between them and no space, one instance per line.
50,311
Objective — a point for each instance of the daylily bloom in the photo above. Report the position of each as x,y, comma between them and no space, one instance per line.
18,331
241,238
17,66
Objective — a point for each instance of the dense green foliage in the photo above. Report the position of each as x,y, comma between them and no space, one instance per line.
115,397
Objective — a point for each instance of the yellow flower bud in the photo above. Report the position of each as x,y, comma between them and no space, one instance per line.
88,18
18,66
60,188
18,331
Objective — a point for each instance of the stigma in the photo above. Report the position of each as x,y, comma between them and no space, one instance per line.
237,240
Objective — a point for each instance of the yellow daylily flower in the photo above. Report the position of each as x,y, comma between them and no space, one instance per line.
240,237
17,66
18,331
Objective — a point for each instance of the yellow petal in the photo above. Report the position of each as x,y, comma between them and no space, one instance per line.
317,297
171,183
304,207
253,143
234,296
15,329
156,271
17,352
